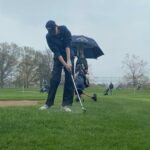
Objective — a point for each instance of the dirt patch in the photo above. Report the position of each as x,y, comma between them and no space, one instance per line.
18,103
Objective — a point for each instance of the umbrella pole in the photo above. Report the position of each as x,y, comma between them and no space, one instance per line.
80,51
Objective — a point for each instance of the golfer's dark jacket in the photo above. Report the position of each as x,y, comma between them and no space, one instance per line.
60,42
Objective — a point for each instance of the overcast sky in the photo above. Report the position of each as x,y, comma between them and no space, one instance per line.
118,26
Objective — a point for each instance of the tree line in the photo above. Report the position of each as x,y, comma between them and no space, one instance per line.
26,67
23,66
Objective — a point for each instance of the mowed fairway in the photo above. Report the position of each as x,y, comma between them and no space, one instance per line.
117,122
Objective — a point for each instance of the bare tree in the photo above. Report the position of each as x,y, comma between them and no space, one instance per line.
26,68
8,60
134,69
23,66
44,65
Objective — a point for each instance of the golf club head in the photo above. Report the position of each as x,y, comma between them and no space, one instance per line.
83,109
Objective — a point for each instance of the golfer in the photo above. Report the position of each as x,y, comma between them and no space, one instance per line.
111,86
59,41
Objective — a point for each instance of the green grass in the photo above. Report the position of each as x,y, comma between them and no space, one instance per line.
117,122
21,94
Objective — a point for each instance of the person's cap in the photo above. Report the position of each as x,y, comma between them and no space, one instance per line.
50,25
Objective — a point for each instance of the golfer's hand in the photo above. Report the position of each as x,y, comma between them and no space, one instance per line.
68,66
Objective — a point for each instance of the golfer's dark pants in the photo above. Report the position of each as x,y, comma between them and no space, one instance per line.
54,82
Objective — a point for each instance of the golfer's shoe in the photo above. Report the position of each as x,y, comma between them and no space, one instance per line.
66,108
44,107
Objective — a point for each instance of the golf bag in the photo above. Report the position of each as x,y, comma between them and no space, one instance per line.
81,79
45,87
106,91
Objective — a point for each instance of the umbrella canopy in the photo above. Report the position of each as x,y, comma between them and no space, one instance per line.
88,45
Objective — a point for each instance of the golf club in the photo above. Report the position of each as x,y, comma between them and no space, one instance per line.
83,108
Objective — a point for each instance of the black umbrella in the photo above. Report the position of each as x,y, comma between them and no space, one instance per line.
88,45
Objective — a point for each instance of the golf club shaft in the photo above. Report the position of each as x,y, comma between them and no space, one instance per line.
76,91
